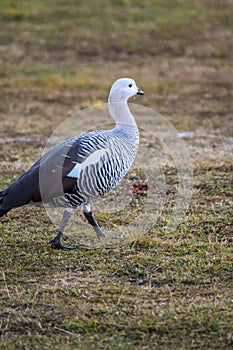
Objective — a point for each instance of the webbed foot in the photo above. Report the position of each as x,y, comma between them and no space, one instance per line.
57,244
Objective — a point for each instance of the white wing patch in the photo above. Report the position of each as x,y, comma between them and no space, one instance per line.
93,158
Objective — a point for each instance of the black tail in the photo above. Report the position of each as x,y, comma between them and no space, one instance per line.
2,194
3,211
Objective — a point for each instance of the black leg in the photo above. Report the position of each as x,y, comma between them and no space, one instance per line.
90,218
56,242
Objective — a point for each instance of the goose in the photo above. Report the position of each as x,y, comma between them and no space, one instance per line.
75,172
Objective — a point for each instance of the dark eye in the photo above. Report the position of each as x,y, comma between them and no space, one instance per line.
130,85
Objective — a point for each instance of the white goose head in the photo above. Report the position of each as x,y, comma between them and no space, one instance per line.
123,89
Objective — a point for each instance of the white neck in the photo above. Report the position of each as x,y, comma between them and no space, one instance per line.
120,112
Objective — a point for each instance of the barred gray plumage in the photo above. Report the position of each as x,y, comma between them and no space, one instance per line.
99,178
72,174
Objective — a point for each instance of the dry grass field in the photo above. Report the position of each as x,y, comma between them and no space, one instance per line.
165,290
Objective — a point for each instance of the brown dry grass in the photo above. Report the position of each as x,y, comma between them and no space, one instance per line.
167,290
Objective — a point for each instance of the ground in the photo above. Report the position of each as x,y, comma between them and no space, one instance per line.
165,289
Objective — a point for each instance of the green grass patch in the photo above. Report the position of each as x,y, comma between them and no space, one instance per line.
162,290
